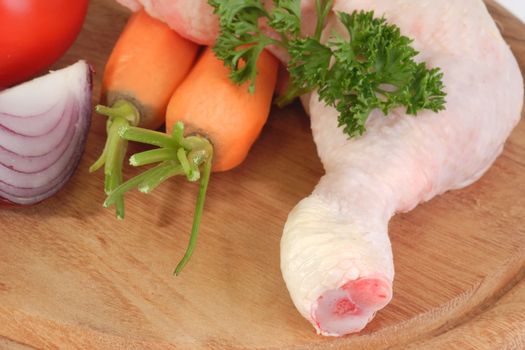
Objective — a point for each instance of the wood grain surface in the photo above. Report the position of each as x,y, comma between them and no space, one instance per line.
72,276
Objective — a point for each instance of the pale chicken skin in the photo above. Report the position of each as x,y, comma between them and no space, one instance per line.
194,19
336,256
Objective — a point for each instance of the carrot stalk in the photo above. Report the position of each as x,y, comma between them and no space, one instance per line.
120,115
190,153
208,103
197,216
147,64
131,184
152,156
178,155
192,173
178,132
149,137
167,171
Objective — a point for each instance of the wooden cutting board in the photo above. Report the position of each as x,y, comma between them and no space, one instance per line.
72,276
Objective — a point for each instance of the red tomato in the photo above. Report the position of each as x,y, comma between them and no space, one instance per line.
34,34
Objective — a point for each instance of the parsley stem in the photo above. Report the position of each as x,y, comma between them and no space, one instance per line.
323,7
289,96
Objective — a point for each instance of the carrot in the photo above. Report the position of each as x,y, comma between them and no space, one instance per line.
223,121
147,64
208,103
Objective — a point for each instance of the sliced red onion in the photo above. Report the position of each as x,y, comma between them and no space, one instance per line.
43,129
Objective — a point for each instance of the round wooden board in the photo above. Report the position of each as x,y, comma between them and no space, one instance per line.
72,276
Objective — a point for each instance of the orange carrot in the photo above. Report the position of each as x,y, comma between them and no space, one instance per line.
223,121
148,62
227,114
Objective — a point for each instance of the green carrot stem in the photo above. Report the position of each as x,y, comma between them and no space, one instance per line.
197,216
152,156
130,184
178,132
162,175
146,136
120,109
116,145
192,172
178,155
99,163
197,157
118,178
192,143
122,114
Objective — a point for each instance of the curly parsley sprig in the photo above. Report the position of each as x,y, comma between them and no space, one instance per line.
240,39
374,68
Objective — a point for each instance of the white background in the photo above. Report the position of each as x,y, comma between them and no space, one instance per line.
515,6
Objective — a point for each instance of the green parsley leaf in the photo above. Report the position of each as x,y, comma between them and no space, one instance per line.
323,8
309,64
285,18
240,40
373,69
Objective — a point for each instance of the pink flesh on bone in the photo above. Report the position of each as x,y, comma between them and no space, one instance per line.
349,309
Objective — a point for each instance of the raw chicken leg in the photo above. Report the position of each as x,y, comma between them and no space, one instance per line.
194,19
336,256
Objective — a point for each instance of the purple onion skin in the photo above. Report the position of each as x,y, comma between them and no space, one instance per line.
24,197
